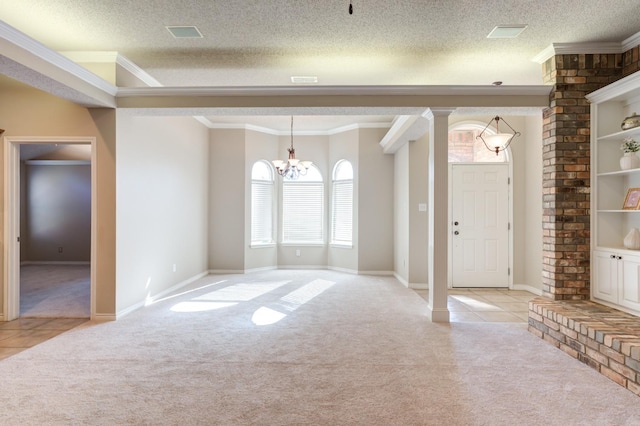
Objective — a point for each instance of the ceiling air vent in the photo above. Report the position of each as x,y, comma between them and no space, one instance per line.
506,31
304,80
185,32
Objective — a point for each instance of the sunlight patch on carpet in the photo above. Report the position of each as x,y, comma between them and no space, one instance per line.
290,302
200,306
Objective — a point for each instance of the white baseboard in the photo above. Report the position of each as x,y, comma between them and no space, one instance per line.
226,271
54,262
401,279
263,269
534,290
104,317
419,286
160,295
345,270
314,267
377,273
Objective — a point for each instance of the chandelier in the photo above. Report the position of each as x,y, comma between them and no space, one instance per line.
499,141
292,168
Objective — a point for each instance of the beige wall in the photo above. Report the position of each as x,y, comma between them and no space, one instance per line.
227,208
29,112
418,220
375,204
162,209
532,240
401,214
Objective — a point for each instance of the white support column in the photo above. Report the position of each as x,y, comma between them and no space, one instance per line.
438,250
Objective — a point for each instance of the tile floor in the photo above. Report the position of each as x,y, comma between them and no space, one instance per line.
23,333
486,305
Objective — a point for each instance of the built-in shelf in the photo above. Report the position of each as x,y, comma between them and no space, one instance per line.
615,270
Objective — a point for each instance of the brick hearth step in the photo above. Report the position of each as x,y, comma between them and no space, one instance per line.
604,338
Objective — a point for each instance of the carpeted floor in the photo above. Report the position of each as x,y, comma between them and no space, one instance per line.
55,291
303,348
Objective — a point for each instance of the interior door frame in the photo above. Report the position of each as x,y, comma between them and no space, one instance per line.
11,290
509,213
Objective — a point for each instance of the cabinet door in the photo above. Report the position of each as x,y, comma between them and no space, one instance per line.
630,286
605,285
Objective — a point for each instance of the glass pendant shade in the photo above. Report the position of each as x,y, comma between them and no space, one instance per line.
499,141
292,168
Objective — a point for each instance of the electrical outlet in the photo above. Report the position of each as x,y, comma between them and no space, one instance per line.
297,252
174,267
59,249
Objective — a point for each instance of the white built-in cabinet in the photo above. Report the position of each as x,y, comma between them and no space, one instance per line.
615,270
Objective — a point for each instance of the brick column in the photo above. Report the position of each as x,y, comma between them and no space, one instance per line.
566,170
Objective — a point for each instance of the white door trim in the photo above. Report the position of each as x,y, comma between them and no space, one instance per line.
510,215
11,290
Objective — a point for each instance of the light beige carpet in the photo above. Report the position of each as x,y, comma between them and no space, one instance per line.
303,348
55,291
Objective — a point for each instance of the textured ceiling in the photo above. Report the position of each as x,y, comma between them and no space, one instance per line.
264,43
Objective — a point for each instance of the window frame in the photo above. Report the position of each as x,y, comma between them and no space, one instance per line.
270,184
335,184
301,182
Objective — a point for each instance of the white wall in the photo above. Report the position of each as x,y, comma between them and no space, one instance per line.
162,212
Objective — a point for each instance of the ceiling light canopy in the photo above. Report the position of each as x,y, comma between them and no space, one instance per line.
499,141
292,168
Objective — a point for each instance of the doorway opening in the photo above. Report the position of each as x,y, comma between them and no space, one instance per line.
50,227
480,197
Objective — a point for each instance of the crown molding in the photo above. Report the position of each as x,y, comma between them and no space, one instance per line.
398,90
623,89
39,50
113,57
631,42
99,57
274,132
587,48
137,72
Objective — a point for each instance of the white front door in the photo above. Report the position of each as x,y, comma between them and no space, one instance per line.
480,225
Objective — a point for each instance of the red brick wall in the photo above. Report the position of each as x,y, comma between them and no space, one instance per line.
566,170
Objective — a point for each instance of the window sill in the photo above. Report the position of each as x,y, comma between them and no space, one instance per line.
341,245
262,245
302,244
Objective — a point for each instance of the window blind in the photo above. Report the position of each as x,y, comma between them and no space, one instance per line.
261,212
342,212
302,212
